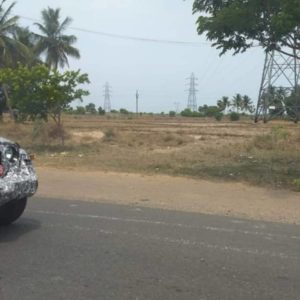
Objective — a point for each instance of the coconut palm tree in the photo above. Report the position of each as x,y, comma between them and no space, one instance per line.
11,50
247,104
223,103
237,102
52,42
29,39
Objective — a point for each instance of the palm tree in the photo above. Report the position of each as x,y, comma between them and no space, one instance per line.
29,39
223,103
52,42
247,104
11,50
237,102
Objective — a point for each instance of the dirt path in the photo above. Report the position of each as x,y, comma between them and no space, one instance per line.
166,192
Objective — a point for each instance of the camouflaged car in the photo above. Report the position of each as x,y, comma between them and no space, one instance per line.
18,181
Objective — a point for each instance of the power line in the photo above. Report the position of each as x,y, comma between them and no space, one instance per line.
132,38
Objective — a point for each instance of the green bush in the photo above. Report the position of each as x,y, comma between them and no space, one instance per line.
124,111
234,116
296,185
189,113
172,113
80,110
219,116
212,111
101,111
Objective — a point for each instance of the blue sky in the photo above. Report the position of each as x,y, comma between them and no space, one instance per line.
157,70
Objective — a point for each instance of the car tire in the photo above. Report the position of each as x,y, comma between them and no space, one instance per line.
12,211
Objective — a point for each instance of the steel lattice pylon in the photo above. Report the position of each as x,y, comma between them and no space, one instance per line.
192,100
281,72
107,98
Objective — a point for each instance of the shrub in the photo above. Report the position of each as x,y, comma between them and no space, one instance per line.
124,111
80,110
109,134
101,111
296,185
172,113
219,116
234,116
91,109
211,111
189,113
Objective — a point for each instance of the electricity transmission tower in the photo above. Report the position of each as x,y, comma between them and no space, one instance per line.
137,96
281,73
107,98
192,99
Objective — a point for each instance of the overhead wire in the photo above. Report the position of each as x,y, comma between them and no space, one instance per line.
129,37
210,69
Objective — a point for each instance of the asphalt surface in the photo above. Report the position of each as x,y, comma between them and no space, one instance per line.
79,250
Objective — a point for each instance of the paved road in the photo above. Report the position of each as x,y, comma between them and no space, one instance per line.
76,250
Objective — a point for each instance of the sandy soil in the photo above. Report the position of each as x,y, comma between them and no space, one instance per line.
175,193
78,136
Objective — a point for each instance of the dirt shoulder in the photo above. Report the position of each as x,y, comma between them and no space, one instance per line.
175,193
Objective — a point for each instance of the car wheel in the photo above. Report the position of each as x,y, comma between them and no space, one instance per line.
12,211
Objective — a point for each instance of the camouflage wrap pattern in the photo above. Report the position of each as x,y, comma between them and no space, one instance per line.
20,179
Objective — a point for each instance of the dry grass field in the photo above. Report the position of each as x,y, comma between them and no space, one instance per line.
260,154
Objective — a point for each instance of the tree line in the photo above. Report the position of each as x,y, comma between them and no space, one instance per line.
235,106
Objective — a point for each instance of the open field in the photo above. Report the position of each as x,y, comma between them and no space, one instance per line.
260,154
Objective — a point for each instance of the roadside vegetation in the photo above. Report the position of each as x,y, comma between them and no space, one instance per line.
260,154
32,88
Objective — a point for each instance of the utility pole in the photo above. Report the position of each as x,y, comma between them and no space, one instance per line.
192,99
107,98
137,96
281,72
